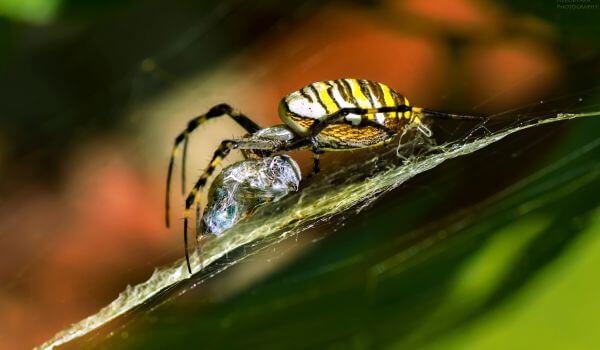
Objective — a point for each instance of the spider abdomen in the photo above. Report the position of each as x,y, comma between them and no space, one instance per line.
301,108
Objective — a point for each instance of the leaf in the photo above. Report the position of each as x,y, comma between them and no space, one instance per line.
400,279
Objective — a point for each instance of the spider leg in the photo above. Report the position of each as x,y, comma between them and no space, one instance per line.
337,118
316,155
441,115
198,222
249,143
214,112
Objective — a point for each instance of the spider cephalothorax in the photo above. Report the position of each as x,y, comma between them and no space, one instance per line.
332,115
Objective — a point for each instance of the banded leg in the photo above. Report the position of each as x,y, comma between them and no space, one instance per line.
214,112
337,118
441,115
316,155
340,117
221,153
224,149
316,162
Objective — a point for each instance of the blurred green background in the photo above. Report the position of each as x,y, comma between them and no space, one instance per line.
494,250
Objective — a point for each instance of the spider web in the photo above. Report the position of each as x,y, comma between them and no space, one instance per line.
329,198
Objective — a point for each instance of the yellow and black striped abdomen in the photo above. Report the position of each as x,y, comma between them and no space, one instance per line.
318,100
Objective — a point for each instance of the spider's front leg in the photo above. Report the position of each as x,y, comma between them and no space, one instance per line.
215,112
253,143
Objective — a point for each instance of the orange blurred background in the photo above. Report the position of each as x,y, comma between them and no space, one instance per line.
69,246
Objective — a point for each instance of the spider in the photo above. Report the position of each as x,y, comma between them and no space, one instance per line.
332,115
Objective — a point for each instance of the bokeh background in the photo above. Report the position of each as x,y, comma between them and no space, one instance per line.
92,94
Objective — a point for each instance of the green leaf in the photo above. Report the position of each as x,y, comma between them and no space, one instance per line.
431,265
